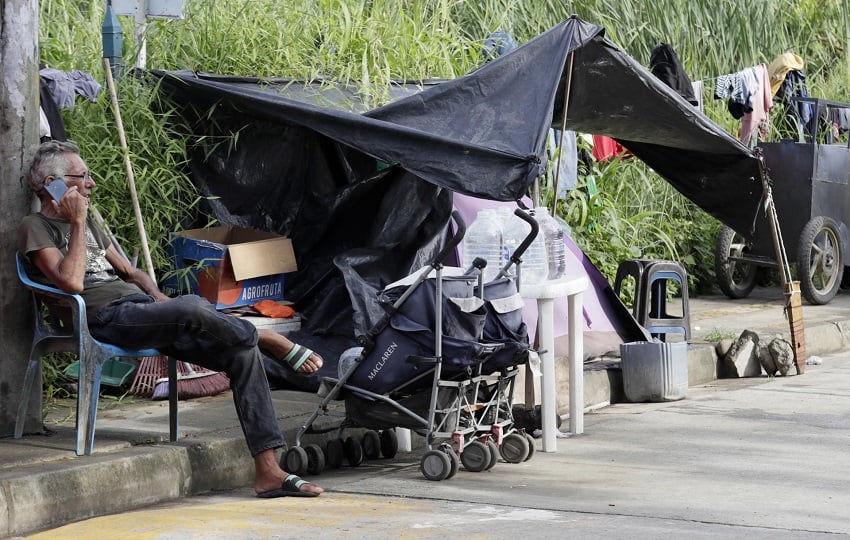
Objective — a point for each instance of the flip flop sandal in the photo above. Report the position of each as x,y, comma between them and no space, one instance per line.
291,487
296,356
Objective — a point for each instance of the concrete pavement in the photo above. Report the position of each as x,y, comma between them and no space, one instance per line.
756,453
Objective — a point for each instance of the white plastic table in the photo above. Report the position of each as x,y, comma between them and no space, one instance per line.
545,293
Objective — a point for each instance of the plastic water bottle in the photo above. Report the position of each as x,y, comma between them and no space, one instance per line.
504,214
484,239
535,265
554,237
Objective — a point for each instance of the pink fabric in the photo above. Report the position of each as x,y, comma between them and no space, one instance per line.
604,148
761,103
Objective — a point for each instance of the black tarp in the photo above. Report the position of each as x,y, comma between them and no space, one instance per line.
376,186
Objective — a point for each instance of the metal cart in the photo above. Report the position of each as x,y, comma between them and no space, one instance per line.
810,192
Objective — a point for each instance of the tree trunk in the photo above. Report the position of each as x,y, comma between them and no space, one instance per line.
19,119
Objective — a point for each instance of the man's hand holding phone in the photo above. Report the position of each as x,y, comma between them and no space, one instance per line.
70,204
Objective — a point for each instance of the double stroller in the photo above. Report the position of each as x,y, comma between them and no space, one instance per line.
441,360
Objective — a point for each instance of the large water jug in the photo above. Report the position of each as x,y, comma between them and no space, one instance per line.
535,266
484,239
553,235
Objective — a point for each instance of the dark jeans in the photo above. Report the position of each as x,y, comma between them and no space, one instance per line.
189,329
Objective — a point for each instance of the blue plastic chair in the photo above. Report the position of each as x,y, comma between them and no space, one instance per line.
51,337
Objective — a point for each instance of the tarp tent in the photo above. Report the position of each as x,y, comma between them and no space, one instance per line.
377,186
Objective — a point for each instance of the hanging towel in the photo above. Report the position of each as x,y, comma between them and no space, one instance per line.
780,67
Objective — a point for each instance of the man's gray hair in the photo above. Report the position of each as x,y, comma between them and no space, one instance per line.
49,160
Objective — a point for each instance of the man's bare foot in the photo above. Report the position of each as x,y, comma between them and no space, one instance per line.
272,481
281,349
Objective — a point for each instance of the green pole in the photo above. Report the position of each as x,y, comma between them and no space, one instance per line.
113,39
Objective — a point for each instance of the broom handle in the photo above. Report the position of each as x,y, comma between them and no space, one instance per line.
129,168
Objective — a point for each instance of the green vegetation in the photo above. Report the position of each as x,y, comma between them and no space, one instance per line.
635,213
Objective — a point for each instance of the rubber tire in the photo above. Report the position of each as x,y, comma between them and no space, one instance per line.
475,456
353,452
494,454
737,279
514,448
435,465
389,443
820,260
453,459
315,459
531,448
371,443
334,453
295,461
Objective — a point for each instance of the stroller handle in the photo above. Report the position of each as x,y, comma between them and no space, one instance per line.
535,228
453,241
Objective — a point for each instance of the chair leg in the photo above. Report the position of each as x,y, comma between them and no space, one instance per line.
88,390
33,366
172,400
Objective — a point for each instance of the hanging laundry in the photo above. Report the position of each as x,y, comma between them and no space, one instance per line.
757,90
840,118
497,44
51,125
65,86
780,67
604,148
568,174
799,113
665,65
698,88
735,88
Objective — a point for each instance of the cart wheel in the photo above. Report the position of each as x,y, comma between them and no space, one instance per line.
371,443
389,443
494,454
295,461
454,461
735,278
353,452
334,453
475,456
531,447
435,465
315,459
820,262
514,448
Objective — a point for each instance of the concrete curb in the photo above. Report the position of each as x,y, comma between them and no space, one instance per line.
121,477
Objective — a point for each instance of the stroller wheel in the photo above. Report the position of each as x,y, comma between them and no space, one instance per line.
514,448
531,447
475,456
353,452
295,461
315,459
334,453
494,454
454,461
435,465
389,443
371,443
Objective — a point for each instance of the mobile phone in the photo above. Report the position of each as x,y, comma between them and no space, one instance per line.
57,189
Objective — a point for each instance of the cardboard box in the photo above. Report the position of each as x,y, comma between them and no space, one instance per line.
230,266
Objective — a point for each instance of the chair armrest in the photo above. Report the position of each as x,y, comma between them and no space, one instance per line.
74,302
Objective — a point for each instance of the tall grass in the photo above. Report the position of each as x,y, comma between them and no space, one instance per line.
373,41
